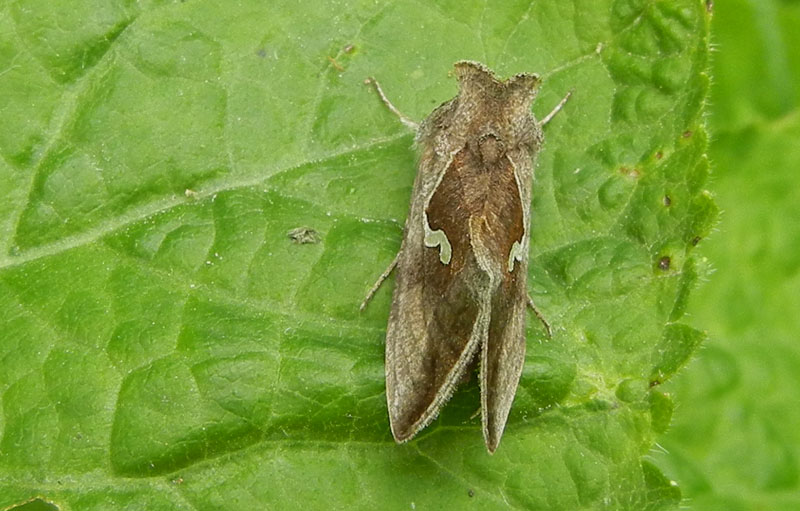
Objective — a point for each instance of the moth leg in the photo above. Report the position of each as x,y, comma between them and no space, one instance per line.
539,315
405,120
380,280
554,111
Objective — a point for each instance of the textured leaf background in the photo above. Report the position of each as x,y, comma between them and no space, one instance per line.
735,440
165,345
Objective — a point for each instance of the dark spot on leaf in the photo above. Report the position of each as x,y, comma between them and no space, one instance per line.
349,48
304,235
687,134
663,263
659,155
709,6
696,240
261,53
471,493
667,201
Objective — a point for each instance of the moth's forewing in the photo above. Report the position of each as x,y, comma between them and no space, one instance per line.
431,337
503,348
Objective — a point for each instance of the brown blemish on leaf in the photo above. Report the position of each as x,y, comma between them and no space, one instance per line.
303,235
631,172
335,64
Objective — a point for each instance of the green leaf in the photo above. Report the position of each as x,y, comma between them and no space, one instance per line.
164,344
735,444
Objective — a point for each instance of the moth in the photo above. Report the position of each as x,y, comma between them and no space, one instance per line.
461,296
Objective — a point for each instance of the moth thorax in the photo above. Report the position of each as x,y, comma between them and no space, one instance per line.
491,149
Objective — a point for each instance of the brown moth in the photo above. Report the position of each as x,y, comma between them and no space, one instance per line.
461,270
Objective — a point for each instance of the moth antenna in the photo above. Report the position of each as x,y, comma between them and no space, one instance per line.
554,111
539,315
378,282
405,120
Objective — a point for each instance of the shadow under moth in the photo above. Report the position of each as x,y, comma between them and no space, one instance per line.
461,296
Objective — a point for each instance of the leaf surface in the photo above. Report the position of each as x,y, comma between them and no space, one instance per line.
164,344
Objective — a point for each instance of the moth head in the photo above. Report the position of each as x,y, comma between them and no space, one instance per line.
474,74
496,107
477,81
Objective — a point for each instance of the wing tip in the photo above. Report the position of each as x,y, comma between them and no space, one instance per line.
491,439
401,434
403,431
